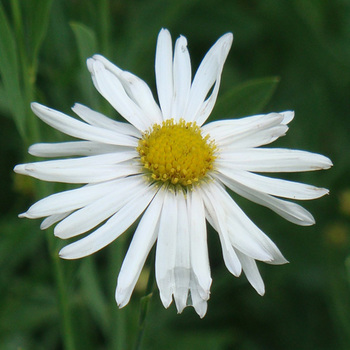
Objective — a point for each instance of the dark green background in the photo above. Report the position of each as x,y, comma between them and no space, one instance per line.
305,45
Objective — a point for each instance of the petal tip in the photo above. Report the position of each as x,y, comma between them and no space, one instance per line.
261,292
288,116
37,107
121,299
64,255
166,301
20,169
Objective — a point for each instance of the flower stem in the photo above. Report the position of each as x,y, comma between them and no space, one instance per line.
68,334
118,336
144,306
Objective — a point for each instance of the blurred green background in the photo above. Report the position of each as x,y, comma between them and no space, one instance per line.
286,55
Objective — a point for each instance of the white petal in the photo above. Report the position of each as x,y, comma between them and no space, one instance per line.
231,137
207,75
196,300
136,89
166,249
288,116
182,269
164,72
251,271
244,235
75,128
84,174
101,209
70,200
111,230
288,210
182,78
140,246
264,137
220,129
216,217
73,148
273,186
84,171
199,247
50,220
98,119
96,160
242,124
142,95
110,87
227,132
274,160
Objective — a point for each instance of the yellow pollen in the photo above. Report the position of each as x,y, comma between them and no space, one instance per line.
176,153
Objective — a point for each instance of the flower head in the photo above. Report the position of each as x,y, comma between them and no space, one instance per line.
171,171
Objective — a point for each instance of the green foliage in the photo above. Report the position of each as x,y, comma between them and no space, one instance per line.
246,99
43,48
10,73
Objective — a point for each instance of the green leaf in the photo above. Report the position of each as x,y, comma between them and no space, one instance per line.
9,71
4,107
86,40
246,99
39,17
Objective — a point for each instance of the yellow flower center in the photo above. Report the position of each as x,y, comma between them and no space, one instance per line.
176,153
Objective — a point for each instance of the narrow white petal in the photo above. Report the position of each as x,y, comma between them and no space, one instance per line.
238,228
111,230
288,210
73,148
140,246
182,78
196,300
100,120
80,130
164,72
83,170
139,91
110,87
216,217
101,209
239,125
51,220
251,271
82,175
136,89
70,200
207,75
96,160
244,235
264,137
182,269
274,160
230,257
166,249
227,132
198,235
288,116
273,186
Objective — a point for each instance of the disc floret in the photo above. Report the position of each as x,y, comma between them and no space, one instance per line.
176,153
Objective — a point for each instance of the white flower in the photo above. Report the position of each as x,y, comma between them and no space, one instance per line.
170,171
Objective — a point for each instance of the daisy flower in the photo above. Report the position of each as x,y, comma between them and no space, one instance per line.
168,170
